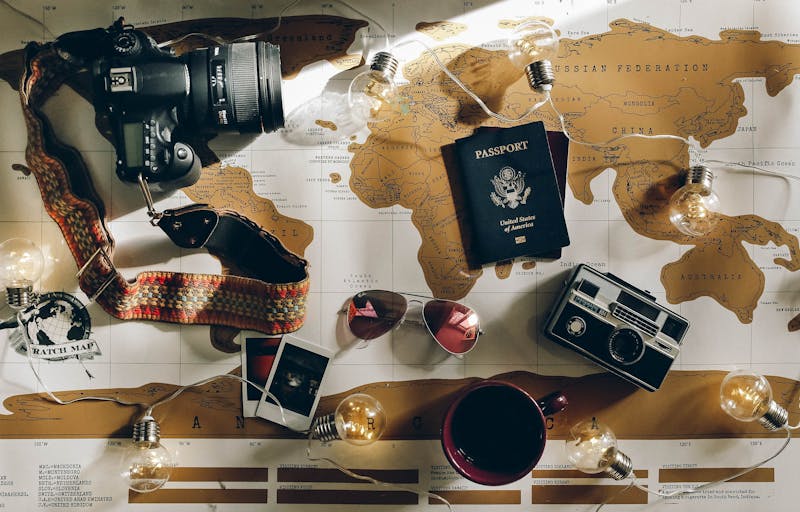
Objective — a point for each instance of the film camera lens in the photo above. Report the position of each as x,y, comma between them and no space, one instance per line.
626,345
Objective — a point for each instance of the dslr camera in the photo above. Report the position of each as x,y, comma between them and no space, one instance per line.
154,99
616,325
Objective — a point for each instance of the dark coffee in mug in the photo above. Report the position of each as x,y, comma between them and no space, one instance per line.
494,432
497,429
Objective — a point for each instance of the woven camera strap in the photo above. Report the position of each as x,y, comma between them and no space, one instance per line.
270,296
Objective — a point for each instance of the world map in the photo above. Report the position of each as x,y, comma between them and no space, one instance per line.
625,77
683,86
633,79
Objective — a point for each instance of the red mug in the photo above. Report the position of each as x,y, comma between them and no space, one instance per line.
494,432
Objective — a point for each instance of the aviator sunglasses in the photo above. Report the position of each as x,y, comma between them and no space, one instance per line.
373,313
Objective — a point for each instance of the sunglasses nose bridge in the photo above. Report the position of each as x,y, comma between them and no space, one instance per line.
403,319
415,321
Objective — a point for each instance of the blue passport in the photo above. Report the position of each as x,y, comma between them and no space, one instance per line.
511,201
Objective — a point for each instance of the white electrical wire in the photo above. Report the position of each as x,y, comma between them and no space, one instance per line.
273,29
149,407
220,40
547,99
791,427
471,94
756,168
352,474
634,482
609,144
53,397
612,144
610,499
547,96
374,481
149,414
368,18
203,382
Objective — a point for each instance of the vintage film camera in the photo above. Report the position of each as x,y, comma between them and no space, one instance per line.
153,98
617,326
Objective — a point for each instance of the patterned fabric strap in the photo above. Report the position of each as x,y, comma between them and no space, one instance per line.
71,201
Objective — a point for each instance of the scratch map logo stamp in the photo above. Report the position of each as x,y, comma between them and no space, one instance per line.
56,327
509,188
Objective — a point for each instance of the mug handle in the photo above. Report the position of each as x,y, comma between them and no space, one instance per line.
553,403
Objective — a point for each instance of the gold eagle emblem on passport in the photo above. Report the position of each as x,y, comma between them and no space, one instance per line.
509,188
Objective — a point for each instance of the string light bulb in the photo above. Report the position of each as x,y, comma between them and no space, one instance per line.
374,88
531,47
21,264
147,464
592,448
692,208
747,396
359,419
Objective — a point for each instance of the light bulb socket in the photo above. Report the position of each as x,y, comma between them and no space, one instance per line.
324,428
776,416
621,466
385,64
700,174
20,297
146,430
540,75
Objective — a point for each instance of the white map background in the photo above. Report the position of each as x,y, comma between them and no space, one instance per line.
356,247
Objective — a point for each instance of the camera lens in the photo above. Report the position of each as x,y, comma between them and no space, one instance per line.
625,345
235,87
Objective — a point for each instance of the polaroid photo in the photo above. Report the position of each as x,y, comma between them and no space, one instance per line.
258,353
295,380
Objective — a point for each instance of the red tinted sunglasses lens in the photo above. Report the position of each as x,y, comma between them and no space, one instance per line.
453,325
374,313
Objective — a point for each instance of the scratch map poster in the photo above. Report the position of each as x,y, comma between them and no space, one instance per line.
370,206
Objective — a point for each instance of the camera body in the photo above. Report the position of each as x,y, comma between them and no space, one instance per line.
155,100
616,325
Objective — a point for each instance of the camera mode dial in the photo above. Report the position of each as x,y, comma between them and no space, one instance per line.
127,43
625,345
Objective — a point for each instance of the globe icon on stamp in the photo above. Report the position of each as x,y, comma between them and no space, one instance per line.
56,327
